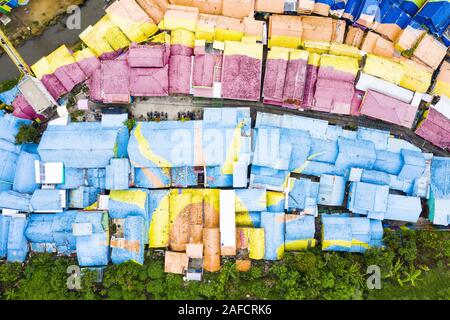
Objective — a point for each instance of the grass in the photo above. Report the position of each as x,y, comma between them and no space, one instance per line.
434,285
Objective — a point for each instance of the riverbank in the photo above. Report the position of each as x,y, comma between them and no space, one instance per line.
31,21
53,35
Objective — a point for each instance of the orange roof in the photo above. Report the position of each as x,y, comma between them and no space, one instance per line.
272,6
317,28
430,51
238,8
280,25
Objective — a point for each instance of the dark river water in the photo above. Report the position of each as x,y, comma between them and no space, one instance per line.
52,38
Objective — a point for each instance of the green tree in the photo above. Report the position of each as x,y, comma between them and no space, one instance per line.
28,133
45,278
125,281
10,274
130,124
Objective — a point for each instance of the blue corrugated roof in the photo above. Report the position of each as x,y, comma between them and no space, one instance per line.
118,174
47,201
24,178
440,177
83,145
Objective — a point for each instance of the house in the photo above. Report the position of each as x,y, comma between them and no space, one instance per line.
376,202
52,232
435,125
83,145
300,232
379,106
274,234
91,230
238,82
152,158
128,241
342,232
440,191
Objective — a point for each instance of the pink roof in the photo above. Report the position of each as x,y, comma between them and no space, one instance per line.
333,96
54,86
358,97
436,129
111,55
294,84
241,78
145,56
95,86
203,73
180,70
334,74
180,50
115,81
379,106
70,75
149,82
207,70
310,86
22,109
204,92
274,80
89,65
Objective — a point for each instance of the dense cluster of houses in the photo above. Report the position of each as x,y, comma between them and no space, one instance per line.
221,186
209,188
371,58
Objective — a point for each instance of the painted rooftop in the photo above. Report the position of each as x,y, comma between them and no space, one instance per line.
259,189
372,64
222,186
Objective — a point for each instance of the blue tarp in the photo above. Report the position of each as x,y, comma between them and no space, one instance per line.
132,202
4,231
24,178
17,242
131,246
152,178
15,201
52,232
253,200
190,143
299,227
83,145
118,174
7,97
435,15
303,194
83,197
440,177
274,234
47,201
183,177
93,248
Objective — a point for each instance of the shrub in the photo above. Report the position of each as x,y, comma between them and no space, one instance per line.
130,124
28,133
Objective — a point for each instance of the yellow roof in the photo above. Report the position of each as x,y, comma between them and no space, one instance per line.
345,50
278,53
415,77
42,68
253,50
341,63
60,57
182,37
383,68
